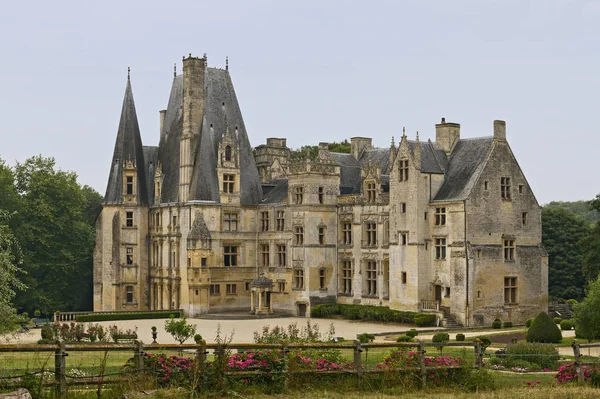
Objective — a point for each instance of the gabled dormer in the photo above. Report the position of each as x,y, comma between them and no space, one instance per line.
158,180
130,188
228,167
371,182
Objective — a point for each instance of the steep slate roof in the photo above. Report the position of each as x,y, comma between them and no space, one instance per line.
128,147
199,229
349,172
275,192
205,184
433,160
150,153
464,167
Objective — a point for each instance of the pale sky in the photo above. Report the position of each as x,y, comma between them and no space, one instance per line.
312,71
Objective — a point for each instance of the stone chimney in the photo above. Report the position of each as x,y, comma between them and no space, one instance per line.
499,130
359,144
447,135
193,94
162,114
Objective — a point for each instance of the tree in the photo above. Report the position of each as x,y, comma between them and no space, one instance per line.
579,208
590,247
180,329
9,281
561,233
544,330
586,314
313,150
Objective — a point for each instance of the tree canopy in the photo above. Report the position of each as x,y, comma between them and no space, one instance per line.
587,313
313,150
9,276
579,208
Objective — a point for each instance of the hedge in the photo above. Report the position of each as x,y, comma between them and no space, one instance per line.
365,313
86,318
543,329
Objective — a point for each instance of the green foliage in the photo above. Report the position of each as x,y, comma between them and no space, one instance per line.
310,333
197,338
497,324
425,319
460,337
485,341
590,252
507,324
404,338
313,150
543,329
47,332
586,314
528,323
566,325
557,320
544,355
581,209
412,333
365,338
10,272
180,329
572,302
363,312
440,337
84,318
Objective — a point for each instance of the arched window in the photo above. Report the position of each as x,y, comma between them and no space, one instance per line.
228,153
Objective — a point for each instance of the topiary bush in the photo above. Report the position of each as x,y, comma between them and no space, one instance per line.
425,319
543,355
572,302
460,337
86,318
440,338
543,330
497,324
362,312
485,341
507,324
528,323
404,338
47,332
412,333
557,320
566,325
365,338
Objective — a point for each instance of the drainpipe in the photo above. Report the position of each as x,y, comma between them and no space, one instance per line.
467,318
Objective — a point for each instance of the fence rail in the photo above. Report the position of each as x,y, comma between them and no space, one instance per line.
71,316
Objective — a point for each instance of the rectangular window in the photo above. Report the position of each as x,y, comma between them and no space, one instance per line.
510,290
404,238
485,185
298,235
371,193
322,274
371,268
347,233
321,195
346,286
425,216
505,188
129,219
264,220
215,289
174,220
264,255
524,218
189,264
247,286
440,216
228,183
230,255
203,262
321,235
129,293
281,255
403,169
298,194
230,221
129,185
447,292
403,277
280,221
440,248
371,234
509,249
403,207
231,289
520,189
299,279
281,285
129,255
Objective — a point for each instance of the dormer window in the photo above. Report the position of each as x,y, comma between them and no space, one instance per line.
129,185
228,183
228,153
371,192
403,170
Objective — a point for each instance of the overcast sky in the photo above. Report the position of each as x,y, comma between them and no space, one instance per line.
312,71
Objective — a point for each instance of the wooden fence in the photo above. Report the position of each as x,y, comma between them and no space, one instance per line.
579,363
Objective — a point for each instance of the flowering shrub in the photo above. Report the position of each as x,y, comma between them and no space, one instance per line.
532,384
568,373
168,369
117,333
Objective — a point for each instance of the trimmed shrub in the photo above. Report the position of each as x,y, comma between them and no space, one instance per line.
47,332
572,302
365,338
86,318
425,319
460,337
543,330
528,323
485,341
363,312
566,325
412,333
404,338
497,324
557,320
507,324
543,355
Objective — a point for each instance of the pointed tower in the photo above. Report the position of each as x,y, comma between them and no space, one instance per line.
120,256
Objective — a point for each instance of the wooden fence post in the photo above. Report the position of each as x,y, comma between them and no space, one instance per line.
578,365
138,355
358,360
478,354
286,364
60,366
201,365
422,364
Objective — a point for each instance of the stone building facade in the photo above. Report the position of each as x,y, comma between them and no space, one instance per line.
205,223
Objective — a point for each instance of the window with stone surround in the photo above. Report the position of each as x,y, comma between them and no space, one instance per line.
129,218
203,262
321,195
510,290
228,183
322,275
370,288
298,279
403,238
440,216
264,255
403,207
264,220
281,255
440,248
403,170
228,153
129,251
346,277
129,294
509,250
371,190
280,220
231,289
505,188
281,286
215,289
298,235
524,219
321,235
230,255
370,234
230,221
346,233
129,185
403,277
298,195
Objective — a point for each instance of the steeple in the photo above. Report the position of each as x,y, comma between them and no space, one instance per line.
127,182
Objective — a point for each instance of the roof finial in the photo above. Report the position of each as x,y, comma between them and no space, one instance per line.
175,70
393,142
417,135
403,131
128,73
227,63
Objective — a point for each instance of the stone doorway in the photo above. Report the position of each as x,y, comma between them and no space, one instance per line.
438,293
301,310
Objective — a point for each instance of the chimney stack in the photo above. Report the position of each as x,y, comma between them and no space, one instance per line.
447,135
499,130
162,114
